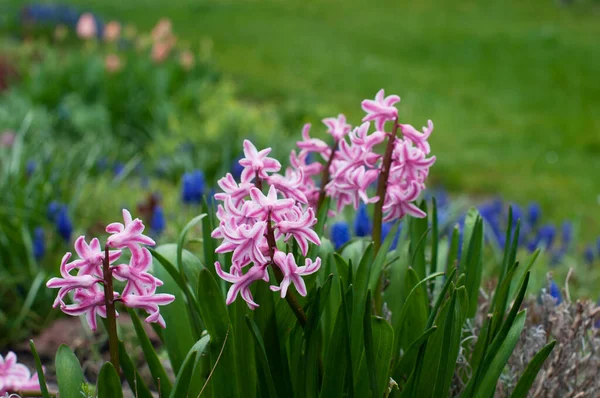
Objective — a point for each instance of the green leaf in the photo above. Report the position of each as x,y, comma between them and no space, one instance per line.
180,334
435,237
69,375
266,319
109,384
451,342
453,251
201,367
370,352
223,357
440,298
414,313
156,368
336,377
418,234
181,241
526,381
135,381
407,362
482,363
208,243
498,361
472,264
238,311
262,356
383,344
377,266
40,370
182,382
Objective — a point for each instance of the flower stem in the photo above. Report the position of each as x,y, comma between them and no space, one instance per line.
325,177
382,188
111,317
378,215
290,297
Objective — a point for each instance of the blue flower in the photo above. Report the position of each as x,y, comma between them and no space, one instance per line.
192,187
340,234
64,226
39,243
545,236
362,222
158,223
385,230
118,168
52,212
567,233
30,167
554,291
533,213
588,254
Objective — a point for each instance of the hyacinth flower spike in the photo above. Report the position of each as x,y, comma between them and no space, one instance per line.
257,164
69,282
241,282
91,257
292,273
139,281
127,235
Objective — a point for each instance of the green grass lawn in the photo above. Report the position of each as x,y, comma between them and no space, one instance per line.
513,87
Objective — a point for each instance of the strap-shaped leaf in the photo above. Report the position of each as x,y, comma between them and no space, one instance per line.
136,382
223,357
472,265
418,235
182,382
533,368
40,370
69,375
109,384
156,368
262,356
494,370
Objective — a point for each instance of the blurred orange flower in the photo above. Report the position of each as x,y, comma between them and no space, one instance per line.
112,63
162,30
112,31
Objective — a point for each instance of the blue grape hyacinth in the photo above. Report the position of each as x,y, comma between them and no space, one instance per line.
340,234
362,222
39,243
192,187
158,222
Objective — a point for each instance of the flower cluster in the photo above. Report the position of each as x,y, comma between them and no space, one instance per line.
15,376
353,165
251,223
90,280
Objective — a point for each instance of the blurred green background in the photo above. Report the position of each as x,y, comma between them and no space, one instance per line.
512,87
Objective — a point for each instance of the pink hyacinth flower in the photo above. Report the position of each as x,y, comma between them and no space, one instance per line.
244,241
15,376
257,163
69,282
290,185
149,303
399,202
88,302
139,281
232,190
269,205
241,282
292,273
86,26
419,139
381,109
337,127
299,225
313,144
91,257
127,235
